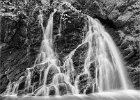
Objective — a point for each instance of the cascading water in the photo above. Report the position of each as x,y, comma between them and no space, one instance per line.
102,51
109,66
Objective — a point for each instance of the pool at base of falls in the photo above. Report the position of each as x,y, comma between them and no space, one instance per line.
114,95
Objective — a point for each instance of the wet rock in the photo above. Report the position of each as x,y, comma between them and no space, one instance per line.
52,91
3,83
84,82
79,58
68,32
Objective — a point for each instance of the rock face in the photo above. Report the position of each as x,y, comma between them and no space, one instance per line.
21,34
20,40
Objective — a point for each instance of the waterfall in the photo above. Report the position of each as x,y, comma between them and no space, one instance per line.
111,73
109,68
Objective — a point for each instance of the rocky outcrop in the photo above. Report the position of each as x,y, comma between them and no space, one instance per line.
20,40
